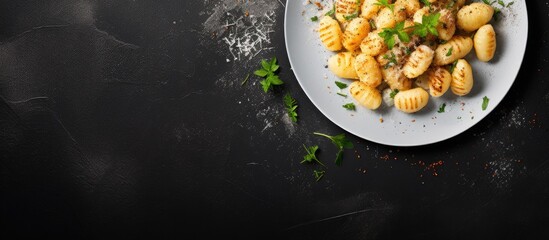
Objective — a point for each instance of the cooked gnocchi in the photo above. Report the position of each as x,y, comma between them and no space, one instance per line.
402,52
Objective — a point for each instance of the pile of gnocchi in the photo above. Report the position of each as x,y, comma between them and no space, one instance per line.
405,69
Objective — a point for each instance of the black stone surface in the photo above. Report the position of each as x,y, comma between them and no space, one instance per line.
123,119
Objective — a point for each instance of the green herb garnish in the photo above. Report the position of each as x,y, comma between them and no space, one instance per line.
314,19
352,16
449,53
268,71
341,85
393,93
388,35
441,108
245,80
392,60
428,25
341,94
453,66
385,3
340,142
311,155
332,11
350,106
318,174
291,106
485,101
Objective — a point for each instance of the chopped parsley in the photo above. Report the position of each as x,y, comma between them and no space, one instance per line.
350,106
485,101
318,174
393,93
441,108
350,17
449,53
428,25
340,85
392,60
314,19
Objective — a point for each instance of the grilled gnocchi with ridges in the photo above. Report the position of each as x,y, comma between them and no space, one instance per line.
365,95
330,33
456,48
411,101
485,43
462,78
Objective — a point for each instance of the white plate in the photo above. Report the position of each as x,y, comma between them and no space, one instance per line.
308,59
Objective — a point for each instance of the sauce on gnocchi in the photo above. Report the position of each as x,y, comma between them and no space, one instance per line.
411,50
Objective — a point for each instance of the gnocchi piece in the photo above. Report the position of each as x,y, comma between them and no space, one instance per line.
411,101
439,81
456,48
369,9
485,43
342,65
365,95
447,25
462,78
346,8
368,70
373,44
411,6
418,62
387,18
355,32
474,16
330,34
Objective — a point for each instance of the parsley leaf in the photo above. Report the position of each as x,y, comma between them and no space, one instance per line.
393,93
267,71
350,106
392,60
341,94
485,101
352,16
341,85
449,53
388,33
311,155
291,105
426,3
318,174
453,66
340,142
314,19
332,11
428,25
442,107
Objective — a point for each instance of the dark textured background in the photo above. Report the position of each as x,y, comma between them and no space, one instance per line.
124,119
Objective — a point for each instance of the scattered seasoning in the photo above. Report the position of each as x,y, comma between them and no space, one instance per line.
314,19
341,94
380,120
319,6
245,80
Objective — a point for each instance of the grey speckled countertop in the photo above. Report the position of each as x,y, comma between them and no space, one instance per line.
128,119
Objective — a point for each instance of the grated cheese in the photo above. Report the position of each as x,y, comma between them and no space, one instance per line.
247,37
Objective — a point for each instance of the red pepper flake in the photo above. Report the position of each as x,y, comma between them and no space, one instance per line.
413,120
384,157
319,6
